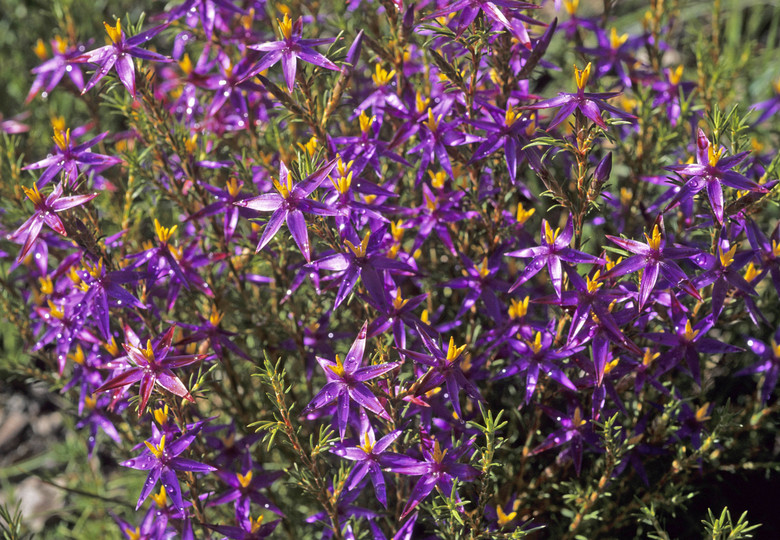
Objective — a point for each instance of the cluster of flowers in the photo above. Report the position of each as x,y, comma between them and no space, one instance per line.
410,178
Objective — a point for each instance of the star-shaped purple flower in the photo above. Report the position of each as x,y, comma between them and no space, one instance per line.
288,50
346,381
120,53
162,462
45,212
289,204
551,253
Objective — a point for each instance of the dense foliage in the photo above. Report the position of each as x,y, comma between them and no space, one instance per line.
447,269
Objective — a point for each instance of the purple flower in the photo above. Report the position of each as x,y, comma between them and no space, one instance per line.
439,469
51,72
551,253
120,53
362,260
538,356
289,204
370,457
768,363
72,159
711,171
443,368
152,366
589,104
162,462
574,431
654,258
45,212
288,50
346,381
496,11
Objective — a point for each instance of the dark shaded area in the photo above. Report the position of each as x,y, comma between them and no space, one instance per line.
753,492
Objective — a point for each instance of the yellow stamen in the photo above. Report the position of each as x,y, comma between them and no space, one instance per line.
338,369
524,215
157,450
160,498
382,77
233,186
438,178
701,413
649,356
284,189
776,85
310,147
94,271
133,534
714,155
432,123
343,183
438,453
425,317
61,138
191,144
654,241
216,317
248,19
484,271
54,311
78,356
536,344
285,26
365,122
453,352
593,282
40,50
111,347
149,351
161,415
577,418
615,41
367,445
360,250
256,524
244,479
341,167
90,402
164,234
421,103
571,6
690,333
46,285
431,203
114,32
775,348
504,519
751,272
510,117
775,248
58,123
676,75
518,308
610,263
399,301
581,77
530,129
626,196
186,64
549,235
396,230
611,365
727,258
